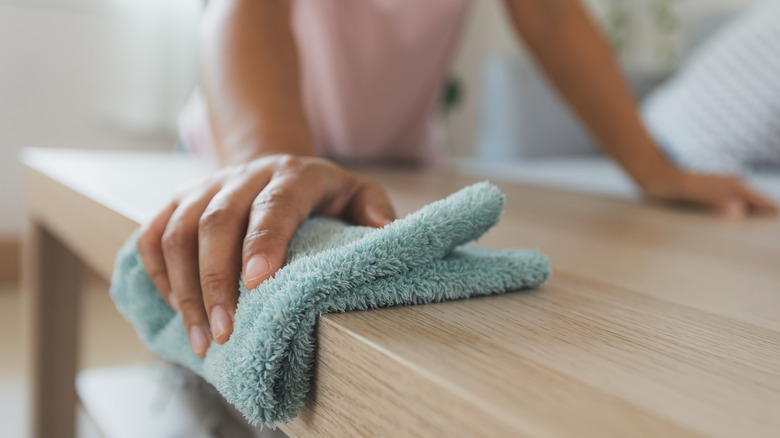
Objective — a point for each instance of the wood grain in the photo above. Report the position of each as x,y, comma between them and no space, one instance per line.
656,322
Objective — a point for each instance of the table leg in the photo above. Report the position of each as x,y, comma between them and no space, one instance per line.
51,282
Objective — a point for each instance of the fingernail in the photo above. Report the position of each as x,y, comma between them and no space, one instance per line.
257,267
198,340
378,218
220,322
173,301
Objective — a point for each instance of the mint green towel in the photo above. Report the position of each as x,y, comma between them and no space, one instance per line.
264,369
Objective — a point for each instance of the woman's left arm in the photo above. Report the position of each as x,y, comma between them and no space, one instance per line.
578,62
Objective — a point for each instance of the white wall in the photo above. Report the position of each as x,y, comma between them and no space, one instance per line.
53,79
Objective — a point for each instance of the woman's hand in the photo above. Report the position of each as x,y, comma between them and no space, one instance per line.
242,219
727,196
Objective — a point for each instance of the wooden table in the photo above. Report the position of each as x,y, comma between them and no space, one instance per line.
655,322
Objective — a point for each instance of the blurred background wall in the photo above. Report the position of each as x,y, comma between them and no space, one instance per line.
114,73
90,74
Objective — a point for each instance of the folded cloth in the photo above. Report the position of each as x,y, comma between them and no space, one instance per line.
264,369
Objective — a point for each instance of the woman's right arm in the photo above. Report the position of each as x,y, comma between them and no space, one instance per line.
241,218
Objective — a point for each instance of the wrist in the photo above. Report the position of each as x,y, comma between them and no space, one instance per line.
650,174
241,147
659,179
645,163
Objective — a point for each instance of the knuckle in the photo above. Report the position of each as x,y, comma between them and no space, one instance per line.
261,238
287,162
177,240
241,169
302,166
190,305
275,199
263,163
214,280
215,218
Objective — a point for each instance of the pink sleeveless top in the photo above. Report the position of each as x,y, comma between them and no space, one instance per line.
372,73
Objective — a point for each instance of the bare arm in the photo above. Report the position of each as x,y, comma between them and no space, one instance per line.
251,80
572,52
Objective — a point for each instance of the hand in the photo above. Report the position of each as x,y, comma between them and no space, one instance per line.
242,218
727,196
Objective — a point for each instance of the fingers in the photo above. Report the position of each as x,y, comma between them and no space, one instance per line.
243,218
727,196
724,197
149,247
371,207
276,213
288,200
221,231
737,201
732,208
758,203
180,248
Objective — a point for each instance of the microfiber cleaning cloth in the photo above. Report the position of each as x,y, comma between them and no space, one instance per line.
264,369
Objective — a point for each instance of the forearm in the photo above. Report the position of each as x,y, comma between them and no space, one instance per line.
572,52
250,79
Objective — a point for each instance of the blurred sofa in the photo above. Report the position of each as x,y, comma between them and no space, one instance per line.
523,117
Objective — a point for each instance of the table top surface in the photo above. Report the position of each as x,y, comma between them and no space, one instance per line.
655,322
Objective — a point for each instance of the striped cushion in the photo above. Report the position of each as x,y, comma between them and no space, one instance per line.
721,112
